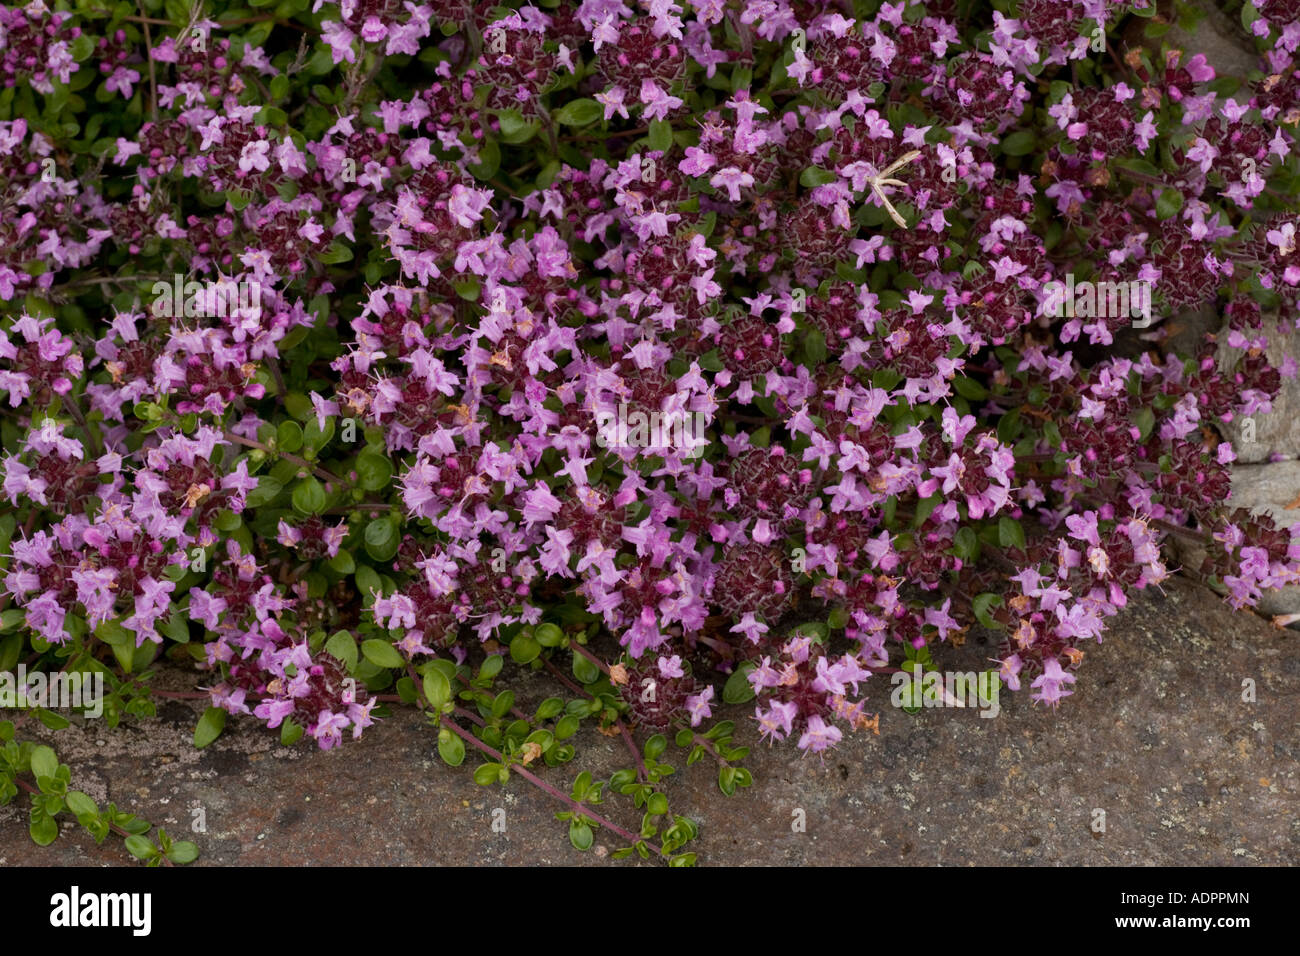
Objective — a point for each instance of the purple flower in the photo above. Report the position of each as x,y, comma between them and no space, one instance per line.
819,736
612,100
329,728
273,711
1051,683
697,705
777,721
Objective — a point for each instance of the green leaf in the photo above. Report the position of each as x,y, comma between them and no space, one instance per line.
279,86
924,508
567,726
1019,143
814,629
82,47
437,688
125,655
451,749
655,746
515,130
11,648
491,667
288,437
44,762
1010,534
580,835
315,437
727,780
813,176
489,154
467,287
343,562
406,691
374,471
44,829
209,727
183,852
966,544
737,689
368,580
265,492
910,695
80,804
1138,165
487,774
177,627
141,847
814,347
524,649
336,252
381,653
344,647
1009,426
309,496
548,635
547,709
382,539
290,732
1145,420
547,176
502,703
969,388
579,112
982,604
661,135
113,633
585,670
1168,203
52,720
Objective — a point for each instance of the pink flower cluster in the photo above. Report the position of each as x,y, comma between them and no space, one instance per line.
827,240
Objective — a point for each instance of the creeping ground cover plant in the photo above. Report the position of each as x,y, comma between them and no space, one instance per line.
722,358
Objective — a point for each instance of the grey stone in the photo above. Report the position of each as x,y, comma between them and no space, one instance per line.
1222,39
1256,438
1185,332
1157,735
1268,489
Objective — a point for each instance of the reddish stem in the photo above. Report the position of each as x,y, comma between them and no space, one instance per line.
579,649
543,785
112,826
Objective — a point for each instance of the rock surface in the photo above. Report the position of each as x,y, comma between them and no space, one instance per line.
1157,735
1222,39
1268,489
1259,437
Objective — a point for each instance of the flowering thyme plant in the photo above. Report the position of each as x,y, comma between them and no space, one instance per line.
311,315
